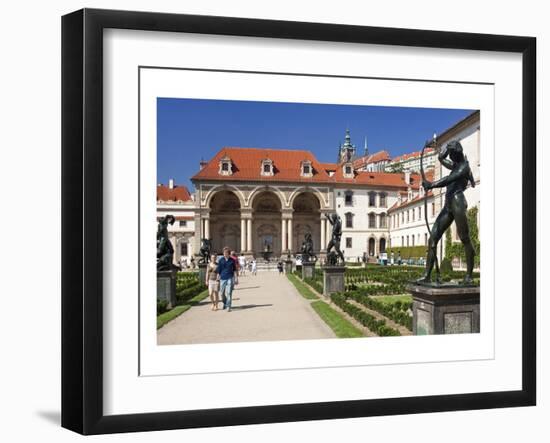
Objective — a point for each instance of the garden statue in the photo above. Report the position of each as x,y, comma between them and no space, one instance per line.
307,249
455,207
332,258
205,250
165,250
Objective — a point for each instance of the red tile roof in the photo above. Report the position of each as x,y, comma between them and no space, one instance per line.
329,166
286,164
247,164
373,158
177,193
405,203
411,155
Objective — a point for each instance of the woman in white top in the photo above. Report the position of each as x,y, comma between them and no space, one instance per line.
212,282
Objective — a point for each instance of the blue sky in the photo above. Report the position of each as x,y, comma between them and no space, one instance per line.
189,130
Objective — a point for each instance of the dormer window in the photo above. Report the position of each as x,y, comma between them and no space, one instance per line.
226,166
267,167
307,169
348,170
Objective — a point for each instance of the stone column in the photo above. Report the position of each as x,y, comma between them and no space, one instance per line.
243,235
283,235
323,245
290,234
249,234
207,227
198,233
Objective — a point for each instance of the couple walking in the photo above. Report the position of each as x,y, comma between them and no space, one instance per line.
222,277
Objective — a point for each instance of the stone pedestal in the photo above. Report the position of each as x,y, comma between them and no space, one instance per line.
202,272
288,266
299,268
308,269
445,309
166,287
333,279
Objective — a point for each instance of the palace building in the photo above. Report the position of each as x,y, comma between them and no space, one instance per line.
257,199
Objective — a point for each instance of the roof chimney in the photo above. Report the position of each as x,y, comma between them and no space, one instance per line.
408,177
202,164
171,183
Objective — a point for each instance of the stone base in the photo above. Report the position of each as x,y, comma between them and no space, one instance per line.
445,309
333,279
166,287
308,269
202,271
288,266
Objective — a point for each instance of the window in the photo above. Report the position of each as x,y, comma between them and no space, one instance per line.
183,249
372,199
402,241
183,223
407,216
225,166
426,239
413,214
383,222
413,240
349,198
348,172
407,240
267,167
307,170
372,220
382,200
348,242
420,213
349,220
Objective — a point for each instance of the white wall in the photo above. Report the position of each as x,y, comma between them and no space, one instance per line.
30,175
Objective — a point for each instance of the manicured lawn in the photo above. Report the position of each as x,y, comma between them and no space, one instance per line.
302,288
391,299
341,327
170,315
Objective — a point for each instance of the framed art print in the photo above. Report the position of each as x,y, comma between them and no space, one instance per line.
269,221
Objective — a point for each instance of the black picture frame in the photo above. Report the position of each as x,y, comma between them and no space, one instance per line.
82,230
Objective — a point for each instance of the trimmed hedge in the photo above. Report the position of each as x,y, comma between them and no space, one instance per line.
379,327
397,311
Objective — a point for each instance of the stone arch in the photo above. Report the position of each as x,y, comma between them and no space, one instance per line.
258,191
220,188
302,190
371,246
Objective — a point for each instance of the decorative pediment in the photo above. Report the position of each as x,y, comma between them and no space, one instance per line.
267,167
225,166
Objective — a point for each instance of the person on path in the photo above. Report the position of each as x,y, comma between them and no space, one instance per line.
227,270
212,282
254,268
242,264
280,267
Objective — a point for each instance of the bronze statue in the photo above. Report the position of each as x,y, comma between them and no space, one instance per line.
332,257
165,250
205,250
455,207
307,249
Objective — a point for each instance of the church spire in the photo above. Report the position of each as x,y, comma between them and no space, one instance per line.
347,150
366,147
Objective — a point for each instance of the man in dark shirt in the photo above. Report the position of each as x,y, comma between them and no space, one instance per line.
227,271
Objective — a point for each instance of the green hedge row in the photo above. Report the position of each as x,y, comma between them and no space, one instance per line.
408,252
379,327
397,311
184,295
315,284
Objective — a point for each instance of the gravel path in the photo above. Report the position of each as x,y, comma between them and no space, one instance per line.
265,307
